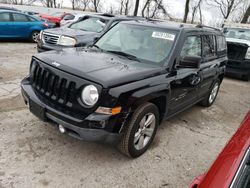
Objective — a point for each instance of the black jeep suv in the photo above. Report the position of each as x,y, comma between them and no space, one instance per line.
120,89
81,33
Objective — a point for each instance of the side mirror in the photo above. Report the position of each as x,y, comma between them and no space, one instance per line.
190,62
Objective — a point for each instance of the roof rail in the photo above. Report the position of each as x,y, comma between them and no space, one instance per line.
204,26
107,15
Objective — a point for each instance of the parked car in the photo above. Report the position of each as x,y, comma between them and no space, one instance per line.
55,17
32,13
238,43
81,33
17,25
136,75
232,167
71,18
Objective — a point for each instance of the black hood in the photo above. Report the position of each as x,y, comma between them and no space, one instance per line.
80,35
104,68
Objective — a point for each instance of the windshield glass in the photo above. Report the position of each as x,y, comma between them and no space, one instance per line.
90,24
237,33
147,44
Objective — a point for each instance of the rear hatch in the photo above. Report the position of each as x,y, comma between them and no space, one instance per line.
236,53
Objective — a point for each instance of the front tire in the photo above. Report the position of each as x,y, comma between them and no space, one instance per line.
34,36
210,98
140,131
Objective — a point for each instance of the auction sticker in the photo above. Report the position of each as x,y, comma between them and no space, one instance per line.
163,35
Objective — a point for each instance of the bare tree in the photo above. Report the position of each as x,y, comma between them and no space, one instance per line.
226,6
96,4
152,8
186,11
194,10
136,7
246,15
124,7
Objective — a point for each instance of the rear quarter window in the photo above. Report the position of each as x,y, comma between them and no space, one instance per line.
221,43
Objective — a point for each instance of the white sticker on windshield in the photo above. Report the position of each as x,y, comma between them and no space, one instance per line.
162,35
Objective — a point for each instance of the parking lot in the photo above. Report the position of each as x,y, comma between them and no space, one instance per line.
34,154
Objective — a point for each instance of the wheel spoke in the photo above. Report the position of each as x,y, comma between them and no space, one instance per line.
151,119
140,143
137,136
148,132
142,122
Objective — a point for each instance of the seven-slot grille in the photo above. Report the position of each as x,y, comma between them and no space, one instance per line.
50,38
52,86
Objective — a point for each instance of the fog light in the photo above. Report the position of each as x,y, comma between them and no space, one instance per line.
61,129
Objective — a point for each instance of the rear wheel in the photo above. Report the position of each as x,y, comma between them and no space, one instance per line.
34,36
210,98
139,133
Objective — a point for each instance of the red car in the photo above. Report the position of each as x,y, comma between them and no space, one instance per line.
232,167
55,17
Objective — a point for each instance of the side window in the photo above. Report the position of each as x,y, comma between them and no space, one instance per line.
209,46
20,18
4,17
192,46
221,43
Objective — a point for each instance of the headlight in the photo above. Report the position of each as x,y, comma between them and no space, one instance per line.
90,95
248,53
66,41
40,35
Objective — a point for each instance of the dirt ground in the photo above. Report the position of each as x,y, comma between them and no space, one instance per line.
35,154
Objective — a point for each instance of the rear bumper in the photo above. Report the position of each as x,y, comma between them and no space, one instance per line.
96,122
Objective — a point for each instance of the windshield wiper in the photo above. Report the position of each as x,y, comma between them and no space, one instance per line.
129,56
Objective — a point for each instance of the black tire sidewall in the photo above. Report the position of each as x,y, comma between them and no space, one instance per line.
131,148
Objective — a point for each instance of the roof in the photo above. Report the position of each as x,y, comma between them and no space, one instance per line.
174,25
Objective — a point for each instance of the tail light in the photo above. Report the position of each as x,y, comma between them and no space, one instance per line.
45,25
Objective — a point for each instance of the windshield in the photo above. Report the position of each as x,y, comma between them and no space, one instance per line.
237,33
90,24
147,44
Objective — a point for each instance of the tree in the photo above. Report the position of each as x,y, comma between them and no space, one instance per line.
152,8
194,9
226,6
246,15
186,11
124,7
136,7
96,4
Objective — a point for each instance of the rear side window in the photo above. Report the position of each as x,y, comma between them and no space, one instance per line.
209,46
221,43
192,46
20,18
4,17
69,17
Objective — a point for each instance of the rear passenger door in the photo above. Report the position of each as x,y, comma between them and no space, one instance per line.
210,63
5,25
21,25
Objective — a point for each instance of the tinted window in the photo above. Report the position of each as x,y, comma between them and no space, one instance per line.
20,18
209,46
221,43
4,17
192,46
69,17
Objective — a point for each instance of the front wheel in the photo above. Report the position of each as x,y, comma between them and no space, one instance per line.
210,98
34,36
139,133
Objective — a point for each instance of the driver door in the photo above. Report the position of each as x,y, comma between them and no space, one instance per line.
184,89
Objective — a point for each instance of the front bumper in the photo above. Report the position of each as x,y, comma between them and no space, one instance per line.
97,124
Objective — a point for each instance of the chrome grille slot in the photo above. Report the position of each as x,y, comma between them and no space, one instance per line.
50,38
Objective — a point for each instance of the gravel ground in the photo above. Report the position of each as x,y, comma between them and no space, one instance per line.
35,154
